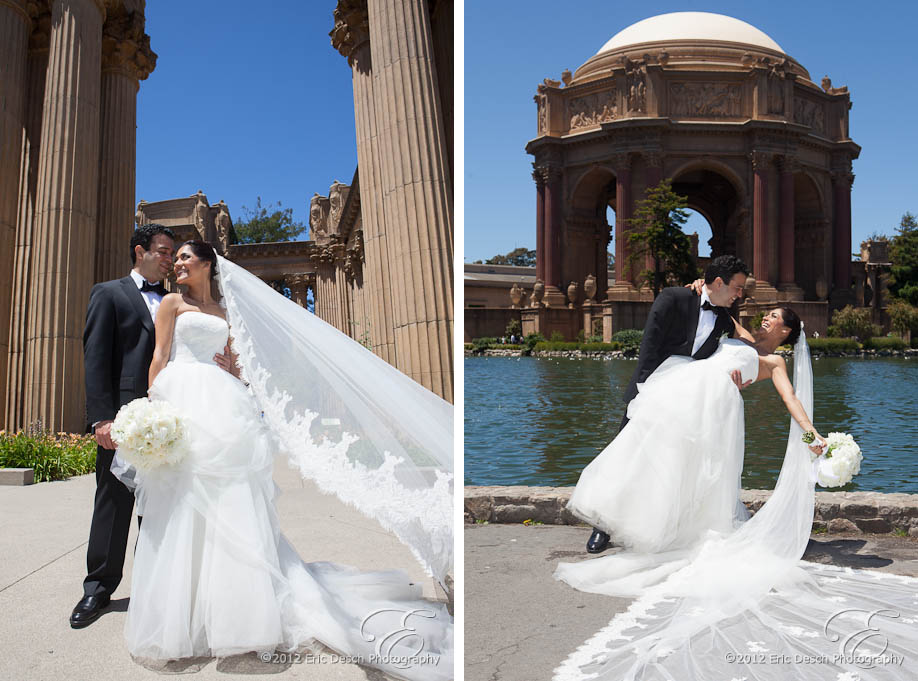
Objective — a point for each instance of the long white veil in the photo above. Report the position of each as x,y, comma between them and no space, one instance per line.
743,605
346,419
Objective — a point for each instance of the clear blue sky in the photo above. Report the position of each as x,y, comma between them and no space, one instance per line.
511,46
246,100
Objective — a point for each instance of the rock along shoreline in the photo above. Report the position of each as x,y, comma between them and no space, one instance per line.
619,354
836,512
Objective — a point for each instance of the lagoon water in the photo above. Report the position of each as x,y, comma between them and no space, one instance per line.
539,421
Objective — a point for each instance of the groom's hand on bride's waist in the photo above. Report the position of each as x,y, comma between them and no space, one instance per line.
737,377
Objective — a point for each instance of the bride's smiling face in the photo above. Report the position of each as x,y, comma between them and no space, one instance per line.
773,326
189,268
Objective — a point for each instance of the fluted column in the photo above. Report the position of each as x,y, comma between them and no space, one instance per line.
15,27
15,385
65,217
552,229
126,60
351,37
786,230
623,267
842,180
541,254
299,287
416,190
760,261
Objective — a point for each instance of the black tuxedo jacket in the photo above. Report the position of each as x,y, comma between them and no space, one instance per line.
670,330
118,345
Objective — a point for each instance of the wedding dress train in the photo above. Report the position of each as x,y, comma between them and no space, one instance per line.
716,602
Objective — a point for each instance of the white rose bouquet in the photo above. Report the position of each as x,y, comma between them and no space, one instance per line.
840,463
149,433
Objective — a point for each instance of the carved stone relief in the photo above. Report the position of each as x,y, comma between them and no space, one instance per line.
809,113
711,100
589,110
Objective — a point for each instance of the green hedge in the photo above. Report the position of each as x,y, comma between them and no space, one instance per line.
886,343
584,347
54,457
833,344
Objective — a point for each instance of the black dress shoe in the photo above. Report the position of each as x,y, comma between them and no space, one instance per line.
598,541
88,610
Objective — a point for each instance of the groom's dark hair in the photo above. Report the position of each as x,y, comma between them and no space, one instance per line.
143,236
725,267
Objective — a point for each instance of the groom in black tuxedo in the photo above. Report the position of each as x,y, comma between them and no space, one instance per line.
118,344
682,322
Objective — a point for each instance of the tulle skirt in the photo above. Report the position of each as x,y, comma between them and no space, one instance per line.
673,473
214,576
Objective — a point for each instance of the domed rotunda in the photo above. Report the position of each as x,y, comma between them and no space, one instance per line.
737,124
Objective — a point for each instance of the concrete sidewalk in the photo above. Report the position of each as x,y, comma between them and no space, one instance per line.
520,623
43,534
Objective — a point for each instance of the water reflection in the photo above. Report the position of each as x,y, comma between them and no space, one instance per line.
534,421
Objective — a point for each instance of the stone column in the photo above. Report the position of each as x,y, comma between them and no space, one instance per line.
416,190
842,180
787,283
653,175
351,37
299,287
552,234
540,223
37,68
622,165
65,217
126,60
760,264
15,27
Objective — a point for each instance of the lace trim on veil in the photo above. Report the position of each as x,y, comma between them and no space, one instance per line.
410,493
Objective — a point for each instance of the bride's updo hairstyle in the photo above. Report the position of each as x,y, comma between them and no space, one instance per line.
791,321
204,251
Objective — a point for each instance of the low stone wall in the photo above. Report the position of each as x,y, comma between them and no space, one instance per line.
870,512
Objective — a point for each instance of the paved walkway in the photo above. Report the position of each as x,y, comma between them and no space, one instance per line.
520,623
43,533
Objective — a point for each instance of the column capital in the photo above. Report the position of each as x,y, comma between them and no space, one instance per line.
328,253
788,164
547,171
620,162
352,27
125,46
760,159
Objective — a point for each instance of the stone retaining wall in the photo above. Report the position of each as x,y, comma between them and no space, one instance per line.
870,512
618,354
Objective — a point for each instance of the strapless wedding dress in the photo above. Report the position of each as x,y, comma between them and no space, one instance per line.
214,576
674,471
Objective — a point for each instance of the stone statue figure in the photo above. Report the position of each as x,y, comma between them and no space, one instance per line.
224,225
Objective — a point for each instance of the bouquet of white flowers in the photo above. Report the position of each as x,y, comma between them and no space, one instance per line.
149,433
840,463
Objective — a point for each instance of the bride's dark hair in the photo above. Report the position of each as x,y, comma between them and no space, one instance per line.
204,251
792,321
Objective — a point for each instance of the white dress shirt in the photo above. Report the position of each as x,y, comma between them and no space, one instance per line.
151,298
706,321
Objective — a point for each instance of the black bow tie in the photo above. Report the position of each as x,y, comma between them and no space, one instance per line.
156,288
707,306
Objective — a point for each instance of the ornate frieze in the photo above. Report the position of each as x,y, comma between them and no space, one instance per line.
592,109
708,100
352,27
125,47
636,86
809,113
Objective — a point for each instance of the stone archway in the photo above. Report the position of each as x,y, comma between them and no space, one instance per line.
717,194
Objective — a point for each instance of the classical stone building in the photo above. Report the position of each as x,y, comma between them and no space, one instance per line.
759,149
401,58
70,76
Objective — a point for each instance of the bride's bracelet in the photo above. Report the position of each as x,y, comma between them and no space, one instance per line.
809,437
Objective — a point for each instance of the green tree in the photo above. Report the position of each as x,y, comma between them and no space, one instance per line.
656,231
903,252
520,257
855,322
266,224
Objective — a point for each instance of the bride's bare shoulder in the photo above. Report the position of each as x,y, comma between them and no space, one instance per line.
774,361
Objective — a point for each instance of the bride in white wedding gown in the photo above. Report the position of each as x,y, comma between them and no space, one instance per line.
718,597
213,575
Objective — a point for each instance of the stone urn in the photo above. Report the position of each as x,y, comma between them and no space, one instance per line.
749,288
822,288
538,292
589,287
572,291
516,295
